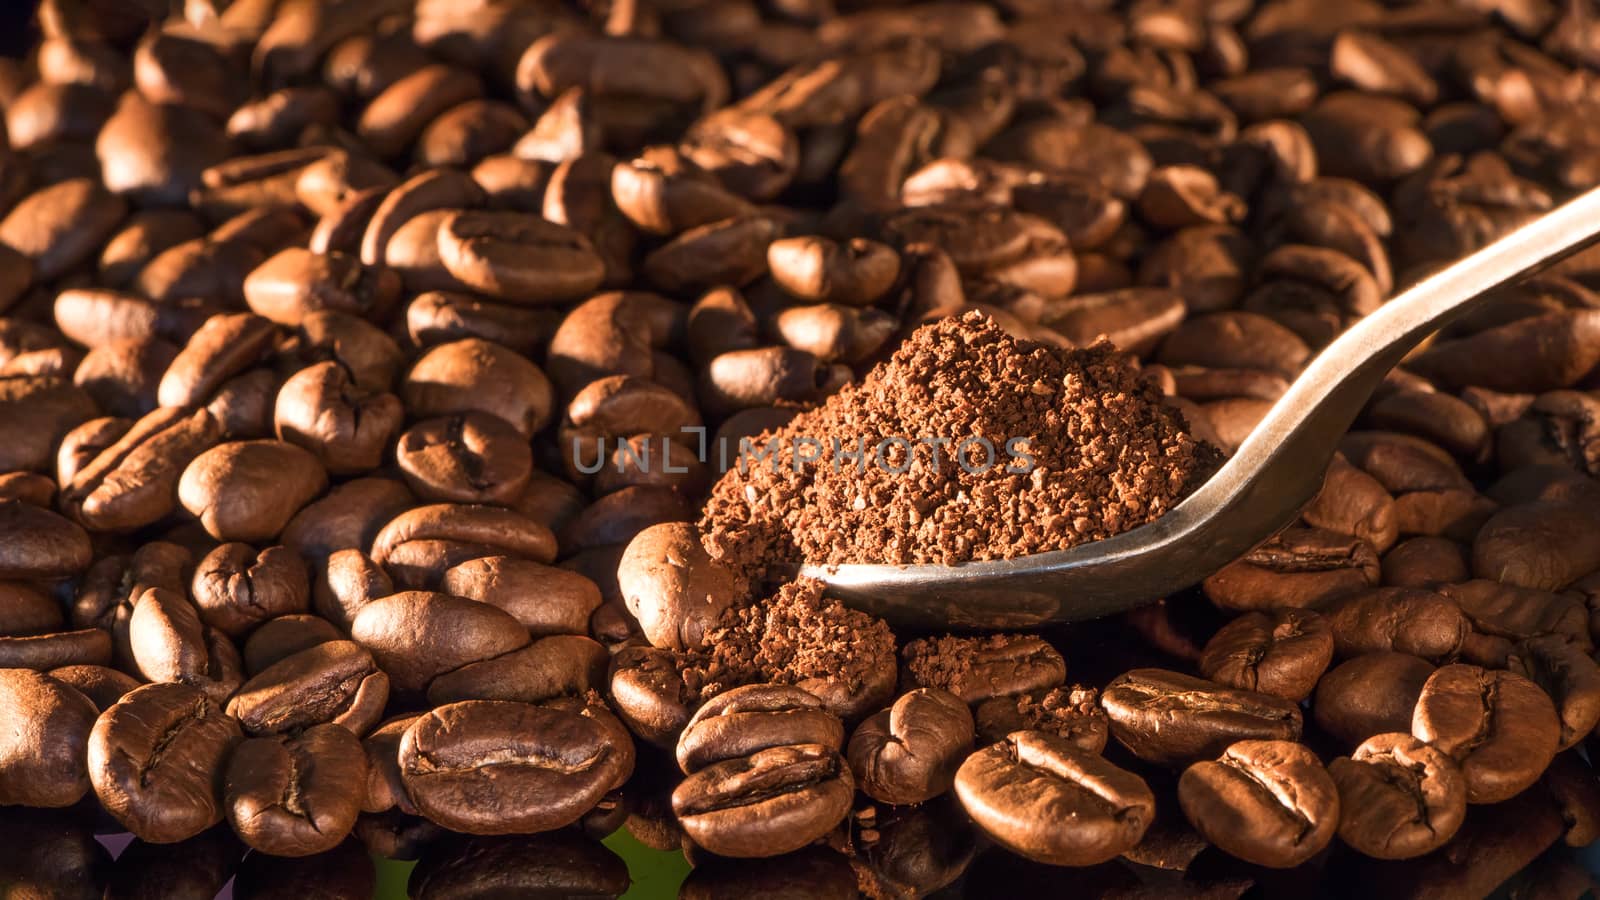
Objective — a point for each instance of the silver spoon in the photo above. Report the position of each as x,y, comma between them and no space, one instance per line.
1260,490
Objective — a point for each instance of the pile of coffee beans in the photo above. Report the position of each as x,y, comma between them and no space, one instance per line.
364,365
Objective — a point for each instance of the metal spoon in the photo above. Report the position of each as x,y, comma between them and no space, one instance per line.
1261,489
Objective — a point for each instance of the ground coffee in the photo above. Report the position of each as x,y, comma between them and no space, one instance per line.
966,444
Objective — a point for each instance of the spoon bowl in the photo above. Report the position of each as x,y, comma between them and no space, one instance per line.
1260,490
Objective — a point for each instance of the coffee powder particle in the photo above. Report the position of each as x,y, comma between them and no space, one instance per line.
790,638
1107,455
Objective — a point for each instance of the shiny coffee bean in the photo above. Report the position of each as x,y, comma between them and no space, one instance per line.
1040,796
1398,797
909,752
768,803
296,796
1172,719
1282,653
754,717
1267,802
334,683
1498,725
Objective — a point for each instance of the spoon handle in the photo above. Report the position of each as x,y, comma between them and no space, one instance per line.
1324,401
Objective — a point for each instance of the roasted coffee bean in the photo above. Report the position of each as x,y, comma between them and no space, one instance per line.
1282,653
468,458
673,587
755,717
1301,567
1370,694
418,546
156,761
1502,614
477,375
519,259
1072,713
416,636
552,667
1425,562
491,767
330,683
171,644
38,543
348,517
1569,675
545,599
1419,622
1267,802
1398,797
1040,796
296,282
348,429
768,803
235,588
1498,725
646,685
223,347
248,490
42,756
103,686
1173,719
299,795
1353,502
976,669
909,752
283,637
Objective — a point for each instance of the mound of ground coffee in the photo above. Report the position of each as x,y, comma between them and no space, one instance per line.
796,636
967,444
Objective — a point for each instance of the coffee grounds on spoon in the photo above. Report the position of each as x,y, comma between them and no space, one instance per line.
1057,447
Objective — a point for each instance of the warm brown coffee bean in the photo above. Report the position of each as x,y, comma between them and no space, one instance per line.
170,644
132,482
1499,726
615,333
346,582
909,752
347,517
41,755
1398,797
235,588
629,66
103,686
663,192
729,252
618,517
62,226
1072,713
1569,675
299,795
1267,802
519,259
335,682
384,789
1545,545
347,428
82,444
976,669
440,317
834,333
1353,502
248,490
225,346
416,635
1135,319
1173,719
744,720
1370,694
398,115
490,767
1425,562
280,638
545,599
1235,340
822,271
673,587
768,803
647,688
469,458
1282,653
156,760
122,376
25,609
89,646
1410,620
554,666
478,375
36,412
418,546
297,282
513,183
1040,796
1555,350
1301,567
1501,614
37,543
